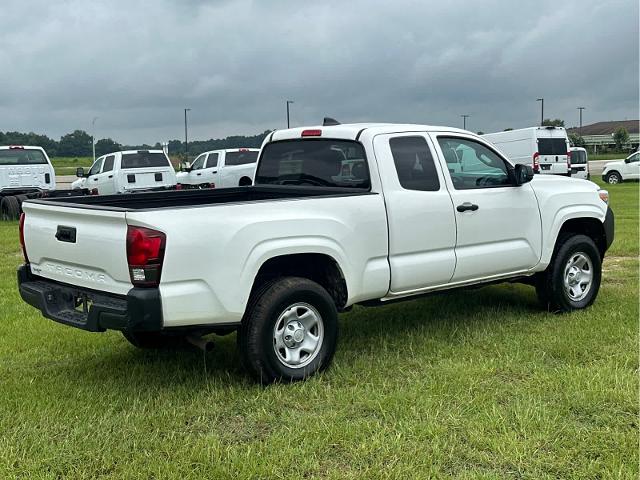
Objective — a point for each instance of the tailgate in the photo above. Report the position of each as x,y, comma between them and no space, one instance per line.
137,179
78,246
24,176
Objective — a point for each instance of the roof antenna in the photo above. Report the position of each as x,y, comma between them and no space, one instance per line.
328,122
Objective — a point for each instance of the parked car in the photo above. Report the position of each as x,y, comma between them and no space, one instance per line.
221,168
278,260
627,169
127,172
579,163
25,172
546,149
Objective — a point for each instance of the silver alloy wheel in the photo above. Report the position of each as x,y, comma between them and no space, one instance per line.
578,276
613,178
298,335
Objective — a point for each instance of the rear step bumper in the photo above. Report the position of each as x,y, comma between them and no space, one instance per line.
139,310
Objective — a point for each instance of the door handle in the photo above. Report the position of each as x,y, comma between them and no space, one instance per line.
95,179
467,206
198,174
110,176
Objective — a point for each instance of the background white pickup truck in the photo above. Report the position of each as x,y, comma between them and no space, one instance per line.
279,259
24,171
627,169
233,167
127,172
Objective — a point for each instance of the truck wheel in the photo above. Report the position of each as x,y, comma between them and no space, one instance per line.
289,331
572,279
245,182
613,177
9,208
153,340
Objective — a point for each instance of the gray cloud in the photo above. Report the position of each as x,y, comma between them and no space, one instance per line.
135,65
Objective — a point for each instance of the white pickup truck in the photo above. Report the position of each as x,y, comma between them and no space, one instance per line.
127,172
25,172
278,260
234,167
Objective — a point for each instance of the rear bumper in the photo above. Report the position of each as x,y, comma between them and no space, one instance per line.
139,310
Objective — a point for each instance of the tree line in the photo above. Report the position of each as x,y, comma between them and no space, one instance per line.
78,144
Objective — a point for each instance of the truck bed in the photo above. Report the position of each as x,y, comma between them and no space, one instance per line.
192,198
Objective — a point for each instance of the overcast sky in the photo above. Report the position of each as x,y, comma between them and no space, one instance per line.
136,65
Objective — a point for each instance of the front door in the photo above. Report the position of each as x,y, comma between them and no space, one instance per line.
632,167
106,183
422,225
93,177
498,224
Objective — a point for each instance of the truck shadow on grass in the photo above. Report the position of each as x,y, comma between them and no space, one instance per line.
443,320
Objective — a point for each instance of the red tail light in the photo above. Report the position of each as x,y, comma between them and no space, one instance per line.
21,228
569,159
536,163
178,186
312,133
145,254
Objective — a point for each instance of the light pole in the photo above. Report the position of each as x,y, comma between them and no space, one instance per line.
93,137
580,130
288,102
541,100
464,121
186,141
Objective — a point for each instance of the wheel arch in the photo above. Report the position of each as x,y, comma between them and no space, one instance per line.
589,226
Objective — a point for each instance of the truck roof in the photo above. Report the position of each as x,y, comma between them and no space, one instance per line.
353,131
21,147
138,151
239,149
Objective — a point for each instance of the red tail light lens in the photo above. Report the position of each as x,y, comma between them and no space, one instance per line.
312,133
569,159
145,254
21,228
536,163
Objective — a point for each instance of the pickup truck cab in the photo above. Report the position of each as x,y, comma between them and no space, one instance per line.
233,167
25,171
623,170
128,171
278,260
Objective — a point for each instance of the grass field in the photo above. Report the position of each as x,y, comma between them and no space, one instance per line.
472,384
68,165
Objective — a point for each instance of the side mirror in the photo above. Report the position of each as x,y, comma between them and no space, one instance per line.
626,160
523,174
80,172
185,167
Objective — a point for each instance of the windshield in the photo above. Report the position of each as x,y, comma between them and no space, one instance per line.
552,146
144,160
318,162
21,156
240,158
578,157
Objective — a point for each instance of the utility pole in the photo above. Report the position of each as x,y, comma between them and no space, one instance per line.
541,100
464,121
288,102
186,141
580,130
93,137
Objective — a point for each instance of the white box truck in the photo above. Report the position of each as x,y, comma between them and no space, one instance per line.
546,149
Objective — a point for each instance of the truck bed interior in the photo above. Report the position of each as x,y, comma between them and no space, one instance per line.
187,198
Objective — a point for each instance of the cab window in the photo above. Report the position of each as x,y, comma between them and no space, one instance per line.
95,168
414,163
108,163
212,160
473,165
198,163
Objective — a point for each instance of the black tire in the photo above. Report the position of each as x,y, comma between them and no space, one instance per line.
613,178
256,340
154,340
9,208
550,284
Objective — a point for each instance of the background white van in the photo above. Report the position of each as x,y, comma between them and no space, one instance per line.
546,149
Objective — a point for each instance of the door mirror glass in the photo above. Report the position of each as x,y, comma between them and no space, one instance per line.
80,172
523,174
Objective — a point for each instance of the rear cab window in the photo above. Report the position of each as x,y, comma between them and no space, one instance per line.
241,157
320,162
143,159
22,156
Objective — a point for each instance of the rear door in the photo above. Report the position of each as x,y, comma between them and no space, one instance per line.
553,147
78,246
498,225
422,224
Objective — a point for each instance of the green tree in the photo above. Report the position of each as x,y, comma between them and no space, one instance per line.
75,144
576,140
556,122
621,137
106,145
